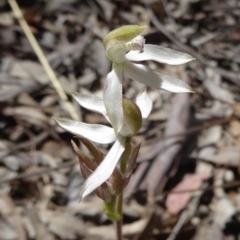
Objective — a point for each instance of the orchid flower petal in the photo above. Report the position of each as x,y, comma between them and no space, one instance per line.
159,54
113,97
90,102
144,103
105,169
93,132
147,76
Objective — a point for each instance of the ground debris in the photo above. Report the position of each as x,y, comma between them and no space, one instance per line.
186,181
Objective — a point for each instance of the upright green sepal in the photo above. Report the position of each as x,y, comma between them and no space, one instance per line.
121,40
122,35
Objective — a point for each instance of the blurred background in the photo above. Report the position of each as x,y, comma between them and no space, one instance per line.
186,184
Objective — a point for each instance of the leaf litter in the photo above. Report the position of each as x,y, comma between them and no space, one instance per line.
186,135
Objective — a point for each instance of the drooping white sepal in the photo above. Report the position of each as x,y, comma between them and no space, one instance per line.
93,132
90,102
159,54
147,76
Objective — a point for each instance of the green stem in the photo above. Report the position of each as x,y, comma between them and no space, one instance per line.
110,209
119,229
125,156
113,209
123,166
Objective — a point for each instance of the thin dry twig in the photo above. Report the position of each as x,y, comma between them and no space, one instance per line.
42,58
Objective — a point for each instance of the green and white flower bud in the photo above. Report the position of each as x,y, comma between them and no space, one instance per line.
132,118
121,40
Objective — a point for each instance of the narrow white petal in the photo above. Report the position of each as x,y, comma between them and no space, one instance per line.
147,76
93,132
159,54
90,102
144,102
105,169
113,97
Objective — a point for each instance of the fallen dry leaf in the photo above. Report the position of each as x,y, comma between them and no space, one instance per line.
176,202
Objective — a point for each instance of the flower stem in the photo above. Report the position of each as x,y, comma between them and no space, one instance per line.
113,209
119,229
119,223
123,164
125,156
110,209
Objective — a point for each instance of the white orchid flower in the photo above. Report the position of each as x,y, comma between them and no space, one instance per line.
104,134
124,45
